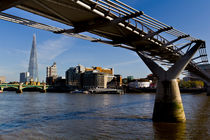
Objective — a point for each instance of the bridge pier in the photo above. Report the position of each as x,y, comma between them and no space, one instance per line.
168,103
44,89
20,89
208,90
1,89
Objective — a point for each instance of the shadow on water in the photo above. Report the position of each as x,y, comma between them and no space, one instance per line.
172,131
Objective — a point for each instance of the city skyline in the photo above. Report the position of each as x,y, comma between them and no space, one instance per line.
69,52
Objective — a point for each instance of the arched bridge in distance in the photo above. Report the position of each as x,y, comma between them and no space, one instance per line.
19,87
120,25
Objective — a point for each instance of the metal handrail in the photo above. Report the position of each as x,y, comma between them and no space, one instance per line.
118,7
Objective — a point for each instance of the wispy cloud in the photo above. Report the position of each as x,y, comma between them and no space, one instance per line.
124,63
50,49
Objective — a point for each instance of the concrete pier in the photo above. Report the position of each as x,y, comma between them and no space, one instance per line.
168,103
1,89
44,89
208,90
20,89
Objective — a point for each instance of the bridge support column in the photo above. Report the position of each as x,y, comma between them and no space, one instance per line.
168,103
1,89
44,89
20,89
208,89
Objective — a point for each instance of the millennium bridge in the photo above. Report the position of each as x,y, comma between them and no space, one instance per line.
120,25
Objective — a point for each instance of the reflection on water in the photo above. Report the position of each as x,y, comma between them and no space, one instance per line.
172,131
77,116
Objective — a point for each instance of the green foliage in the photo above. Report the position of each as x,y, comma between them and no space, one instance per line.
191,84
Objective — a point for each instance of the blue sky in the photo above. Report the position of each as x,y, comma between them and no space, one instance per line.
189,16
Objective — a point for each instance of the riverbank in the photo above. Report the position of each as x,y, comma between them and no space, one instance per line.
153,90
106,91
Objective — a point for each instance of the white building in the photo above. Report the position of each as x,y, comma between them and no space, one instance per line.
139,84
52,70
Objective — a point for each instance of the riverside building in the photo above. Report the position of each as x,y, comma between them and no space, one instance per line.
74,76
51,74
95,77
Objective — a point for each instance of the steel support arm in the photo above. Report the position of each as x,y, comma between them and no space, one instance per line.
174,71
199,57
6,4
113,44
154,67
99,23
171,42
201,62
122,19
157,32
179,49
180,65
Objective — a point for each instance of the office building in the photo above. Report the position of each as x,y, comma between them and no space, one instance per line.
52,70
95,79
24,77
74,75
116,82
51,74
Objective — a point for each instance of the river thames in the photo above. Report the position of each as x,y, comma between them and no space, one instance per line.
60,116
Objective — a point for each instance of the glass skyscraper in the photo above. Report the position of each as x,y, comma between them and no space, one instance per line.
33,66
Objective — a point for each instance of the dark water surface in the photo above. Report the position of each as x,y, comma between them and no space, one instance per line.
59,116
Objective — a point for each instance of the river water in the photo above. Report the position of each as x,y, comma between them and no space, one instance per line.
60,116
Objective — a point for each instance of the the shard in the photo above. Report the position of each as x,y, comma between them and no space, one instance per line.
33,66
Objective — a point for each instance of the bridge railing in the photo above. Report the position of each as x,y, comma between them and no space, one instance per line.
138,23
146,24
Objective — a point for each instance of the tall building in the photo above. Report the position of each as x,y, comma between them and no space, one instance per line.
24,77
51,74
52,70
33,66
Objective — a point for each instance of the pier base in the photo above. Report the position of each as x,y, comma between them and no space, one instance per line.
44,89
19,91
208,91
1,89
168,103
